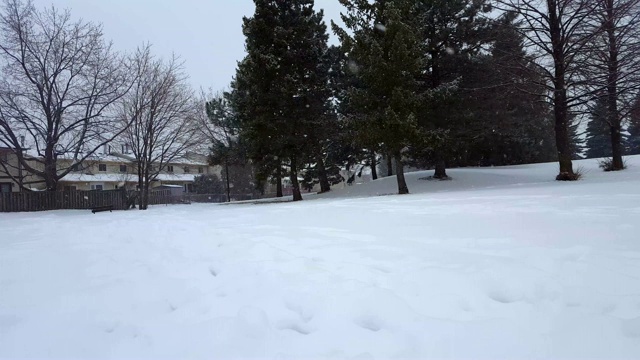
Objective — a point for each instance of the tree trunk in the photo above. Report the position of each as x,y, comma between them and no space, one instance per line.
616,148
612,91
140,191
279,180
563,142
145,196
374,163
441,168
402,183
560,105
322,175
389,164
50,170
226,169
297,196
146,188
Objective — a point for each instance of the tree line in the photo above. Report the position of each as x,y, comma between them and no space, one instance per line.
431,83
411,83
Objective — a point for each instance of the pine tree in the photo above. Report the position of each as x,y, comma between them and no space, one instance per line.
505,120
633,142
278,89
451,31
385,55
576,143
598,138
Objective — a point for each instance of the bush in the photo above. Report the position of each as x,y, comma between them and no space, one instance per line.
606,164
565,176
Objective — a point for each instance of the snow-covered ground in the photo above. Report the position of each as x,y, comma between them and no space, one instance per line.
499,263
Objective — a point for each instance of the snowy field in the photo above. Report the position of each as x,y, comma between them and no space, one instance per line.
499,263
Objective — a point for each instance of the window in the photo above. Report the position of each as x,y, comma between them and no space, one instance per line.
123,168
5,187
97,187
200,170
102,167
170,168
76,167
187,170
4,157
152,168
69,188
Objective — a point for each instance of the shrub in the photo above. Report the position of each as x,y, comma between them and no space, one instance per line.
606,164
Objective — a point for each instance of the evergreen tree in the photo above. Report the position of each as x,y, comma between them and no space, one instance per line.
385,55
279,91
208,184
451,32
227,149
598,138
503,116
633,142
576,143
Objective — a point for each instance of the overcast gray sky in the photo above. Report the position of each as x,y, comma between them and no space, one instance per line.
206,34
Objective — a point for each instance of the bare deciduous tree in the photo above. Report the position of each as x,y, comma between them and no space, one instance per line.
60,80
612,63
161,110
556,36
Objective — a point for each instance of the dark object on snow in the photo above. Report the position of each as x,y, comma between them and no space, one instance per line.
108,208
352,178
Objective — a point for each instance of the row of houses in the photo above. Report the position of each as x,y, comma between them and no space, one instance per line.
103,171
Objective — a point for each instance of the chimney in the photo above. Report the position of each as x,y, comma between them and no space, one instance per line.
22,141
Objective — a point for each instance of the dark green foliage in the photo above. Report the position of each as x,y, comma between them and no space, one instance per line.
227,149
385,60
496,111
280,92
208,184
633,141
452,33
576,144
598,136
241,179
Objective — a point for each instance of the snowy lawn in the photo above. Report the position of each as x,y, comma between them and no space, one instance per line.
496,264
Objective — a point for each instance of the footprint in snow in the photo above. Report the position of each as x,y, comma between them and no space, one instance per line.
504,297
213,271
304,316
302,329
368,322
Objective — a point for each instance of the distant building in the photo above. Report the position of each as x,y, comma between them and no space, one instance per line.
105,171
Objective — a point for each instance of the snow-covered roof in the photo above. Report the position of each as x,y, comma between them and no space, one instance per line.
116,157
176,177
108,177
188,162
77,177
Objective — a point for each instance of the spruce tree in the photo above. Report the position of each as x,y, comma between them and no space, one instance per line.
633,142
386,58
505,120
278,88
598,138
451,31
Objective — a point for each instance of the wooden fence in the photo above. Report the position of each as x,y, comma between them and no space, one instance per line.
119,199
58,200
217,198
